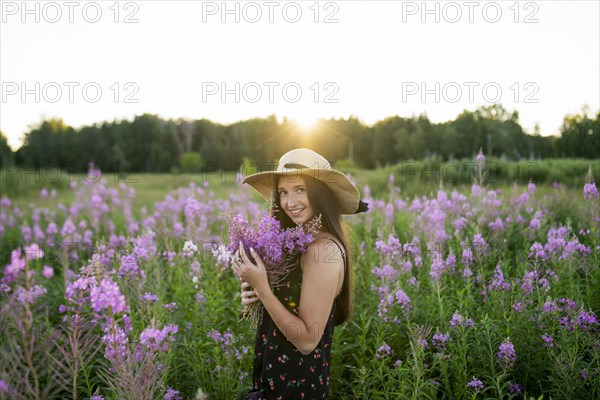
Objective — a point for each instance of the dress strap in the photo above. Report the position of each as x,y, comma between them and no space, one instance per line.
343,255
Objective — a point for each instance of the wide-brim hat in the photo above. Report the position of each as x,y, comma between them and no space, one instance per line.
309,164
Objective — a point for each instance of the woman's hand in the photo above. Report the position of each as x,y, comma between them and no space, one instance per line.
248,294
255,274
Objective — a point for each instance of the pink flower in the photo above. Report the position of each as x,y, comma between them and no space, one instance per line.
47,272
480,157
590,191
33,252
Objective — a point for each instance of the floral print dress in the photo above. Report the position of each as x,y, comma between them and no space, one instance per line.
280,371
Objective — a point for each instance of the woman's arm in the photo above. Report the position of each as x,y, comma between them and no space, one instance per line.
321,268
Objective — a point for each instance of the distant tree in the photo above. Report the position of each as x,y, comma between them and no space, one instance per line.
6,154
151,144
191,162
580,135
45,146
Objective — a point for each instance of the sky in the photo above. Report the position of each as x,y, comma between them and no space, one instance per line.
88,62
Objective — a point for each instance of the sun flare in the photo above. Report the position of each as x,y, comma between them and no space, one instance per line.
306,122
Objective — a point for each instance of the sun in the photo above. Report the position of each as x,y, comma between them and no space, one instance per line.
306,122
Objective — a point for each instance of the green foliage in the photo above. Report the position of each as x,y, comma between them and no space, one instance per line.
191,162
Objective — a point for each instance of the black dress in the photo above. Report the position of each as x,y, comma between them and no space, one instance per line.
280,371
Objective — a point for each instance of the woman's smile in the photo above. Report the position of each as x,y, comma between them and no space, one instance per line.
296,212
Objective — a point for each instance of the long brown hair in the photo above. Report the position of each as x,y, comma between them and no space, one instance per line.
322,201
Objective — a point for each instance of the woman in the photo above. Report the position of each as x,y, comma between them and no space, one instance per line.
293,342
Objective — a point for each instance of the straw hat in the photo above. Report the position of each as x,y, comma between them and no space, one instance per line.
306,163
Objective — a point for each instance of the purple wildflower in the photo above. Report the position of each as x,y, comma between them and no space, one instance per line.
497,225
200,297
590,191
169,256
515,388
475,384
451,262
385,272
106,295
573,247
568,304
437,266
47,272
389,214
116,345
403,299
480,157
585,319
498,282
383,350
227,342
458,320
459,224
17,264
177,229
537,250
480,244
440,339
532,281
467,273
29,296
172,394
130,268
33,252
534,224
149,297
155,340
547,341
195,268
506,354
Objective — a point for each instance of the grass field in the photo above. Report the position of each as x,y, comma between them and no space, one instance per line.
461,290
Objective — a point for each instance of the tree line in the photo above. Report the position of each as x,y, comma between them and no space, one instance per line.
149,143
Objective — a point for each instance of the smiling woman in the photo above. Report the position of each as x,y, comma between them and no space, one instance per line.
293,341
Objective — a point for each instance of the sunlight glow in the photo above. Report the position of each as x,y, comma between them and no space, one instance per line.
306,122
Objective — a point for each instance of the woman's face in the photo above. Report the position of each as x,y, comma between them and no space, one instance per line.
293,199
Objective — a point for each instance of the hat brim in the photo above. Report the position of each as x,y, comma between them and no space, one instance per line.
344,191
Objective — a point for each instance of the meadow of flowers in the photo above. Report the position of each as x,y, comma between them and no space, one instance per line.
471,294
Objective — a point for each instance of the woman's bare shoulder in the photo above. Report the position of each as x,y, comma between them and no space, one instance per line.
321,247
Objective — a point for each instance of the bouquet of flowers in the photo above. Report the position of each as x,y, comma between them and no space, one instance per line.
277,248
